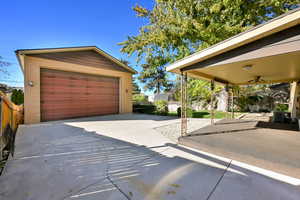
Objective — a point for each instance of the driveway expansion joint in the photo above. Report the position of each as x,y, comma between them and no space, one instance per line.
219,181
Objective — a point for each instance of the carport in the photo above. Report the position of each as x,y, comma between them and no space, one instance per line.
266,54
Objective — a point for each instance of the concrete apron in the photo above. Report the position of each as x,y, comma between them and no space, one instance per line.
123,157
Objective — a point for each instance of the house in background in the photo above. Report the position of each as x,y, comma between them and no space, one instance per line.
8,90
62,83
3,87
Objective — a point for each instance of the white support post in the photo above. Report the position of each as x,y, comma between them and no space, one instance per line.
293,99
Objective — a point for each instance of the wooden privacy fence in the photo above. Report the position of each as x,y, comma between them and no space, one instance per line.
11,116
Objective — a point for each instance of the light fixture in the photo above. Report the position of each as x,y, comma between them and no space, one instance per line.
247,67
30,83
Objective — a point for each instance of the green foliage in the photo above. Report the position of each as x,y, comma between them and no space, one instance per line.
17,97
247,95
242,103
189,112
139,99
178,28
161,107
200,90
281,107
207,114
145,109
154,75
135,87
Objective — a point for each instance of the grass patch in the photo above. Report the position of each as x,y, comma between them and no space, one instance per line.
206,114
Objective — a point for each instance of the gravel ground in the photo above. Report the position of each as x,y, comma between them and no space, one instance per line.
172,131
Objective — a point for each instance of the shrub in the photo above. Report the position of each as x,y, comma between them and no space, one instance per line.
281,107
17,97
139,99
161,107
189,112
146,109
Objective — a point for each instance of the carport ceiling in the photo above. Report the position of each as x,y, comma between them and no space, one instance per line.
272,69
268,53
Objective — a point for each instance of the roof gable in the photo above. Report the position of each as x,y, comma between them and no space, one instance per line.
90,56
85,57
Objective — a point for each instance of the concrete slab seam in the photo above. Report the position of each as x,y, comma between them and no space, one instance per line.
220,179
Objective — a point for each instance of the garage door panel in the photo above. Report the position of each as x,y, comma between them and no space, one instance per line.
96,98
66,113
103,105
73,88
69,95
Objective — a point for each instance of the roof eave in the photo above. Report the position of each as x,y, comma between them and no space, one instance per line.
22,52
20,61
278,24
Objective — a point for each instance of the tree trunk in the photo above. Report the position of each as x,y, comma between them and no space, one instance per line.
158,88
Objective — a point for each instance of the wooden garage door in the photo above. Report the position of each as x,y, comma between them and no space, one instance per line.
69,95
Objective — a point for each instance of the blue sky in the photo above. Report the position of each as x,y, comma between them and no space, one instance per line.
63,23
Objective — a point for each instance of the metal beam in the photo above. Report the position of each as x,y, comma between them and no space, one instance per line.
227,101
232,103
212,109
200,75
183,103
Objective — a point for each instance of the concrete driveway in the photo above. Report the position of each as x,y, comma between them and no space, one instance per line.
123,157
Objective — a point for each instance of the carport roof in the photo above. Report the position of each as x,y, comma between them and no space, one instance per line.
279,37
20,53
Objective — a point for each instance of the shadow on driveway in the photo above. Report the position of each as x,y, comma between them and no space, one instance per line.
60,161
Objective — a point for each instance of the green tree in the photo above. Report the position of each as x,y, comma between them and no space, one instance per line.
154,75
139,99
178,28
17,97
201,90
135,87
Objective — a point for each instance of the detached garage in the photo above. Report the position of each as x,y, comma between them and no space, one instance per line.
64,83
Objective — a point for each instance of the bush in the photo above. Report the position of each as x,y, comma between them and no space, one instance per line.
17,97
281,107
161,107
189,112
139,99
145,109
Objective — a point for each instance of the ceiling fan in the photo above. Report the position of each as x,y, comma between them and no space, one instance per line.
257,79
